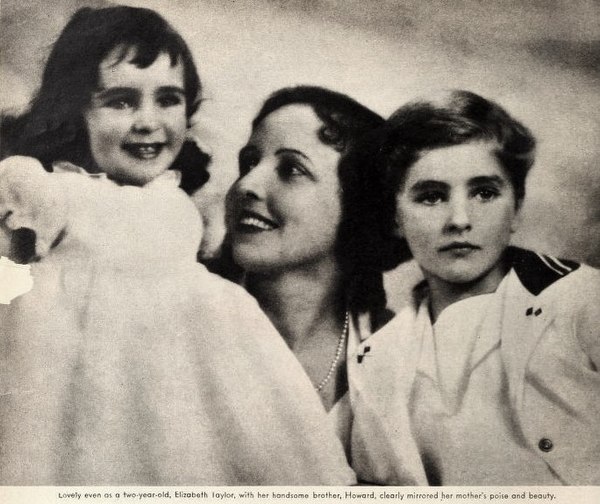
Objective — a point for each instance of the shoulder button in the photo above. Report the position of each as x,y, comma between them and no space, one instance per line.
545,445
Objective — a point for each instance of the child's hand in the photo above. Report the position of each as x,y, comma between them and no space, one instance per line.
30,198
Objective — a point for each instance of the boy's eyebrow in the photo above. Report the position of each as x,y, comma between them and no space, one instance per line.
487,179
126,90
171,89
428,185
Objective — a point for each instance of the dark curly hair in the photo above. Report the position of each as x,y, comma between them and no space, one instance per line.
53,128
361,250
458,117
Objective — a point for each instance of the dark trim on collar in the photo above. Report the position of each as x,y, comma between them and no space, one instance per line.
538,271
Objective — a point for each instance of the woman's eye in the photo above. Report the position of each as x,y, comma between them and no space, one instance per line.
170,100
430,198
289,169
485,194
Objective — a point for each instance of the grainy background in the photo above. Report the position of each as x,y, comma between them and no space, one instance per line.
538,58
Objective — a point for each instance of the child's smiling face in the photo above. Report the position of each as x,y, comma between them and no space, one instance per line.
457,210
136,120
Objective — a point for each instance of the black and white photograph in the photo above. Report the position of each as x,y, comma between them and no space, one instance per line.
345,244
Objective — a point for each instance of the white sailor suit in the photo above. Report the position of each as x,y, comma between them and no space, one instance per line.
545,326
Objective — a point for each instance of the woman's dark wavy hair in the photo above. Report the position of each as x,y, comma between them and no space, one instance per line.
360,249
459,117
54,129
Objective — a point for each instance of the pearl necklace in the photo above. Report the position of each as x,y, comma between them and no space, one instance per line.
338,354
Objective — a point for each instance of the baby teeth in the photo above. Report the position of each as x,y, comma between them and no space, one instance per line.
144,151
253,221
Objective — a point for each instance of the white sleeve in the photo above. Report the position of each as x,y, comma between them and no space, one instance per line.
31,198
587,318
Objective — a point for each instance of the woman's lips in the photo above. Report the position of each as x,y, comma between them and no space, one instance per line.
252,221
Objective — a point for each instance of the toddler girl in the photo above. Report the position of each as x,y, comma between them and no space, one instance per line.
127,362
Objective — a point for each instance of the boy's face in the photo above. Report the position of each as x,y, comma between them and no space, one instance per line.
457,211
137,120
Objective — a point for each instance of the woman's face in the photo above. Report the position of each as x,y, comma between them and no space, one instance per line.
136,120
457,210
285,208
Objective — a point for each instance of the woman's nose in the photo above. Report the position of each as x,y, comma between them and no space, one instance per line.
459,218
254,184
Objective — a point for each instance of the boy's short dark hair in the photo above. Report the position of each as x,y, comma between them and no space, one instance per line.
459,117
